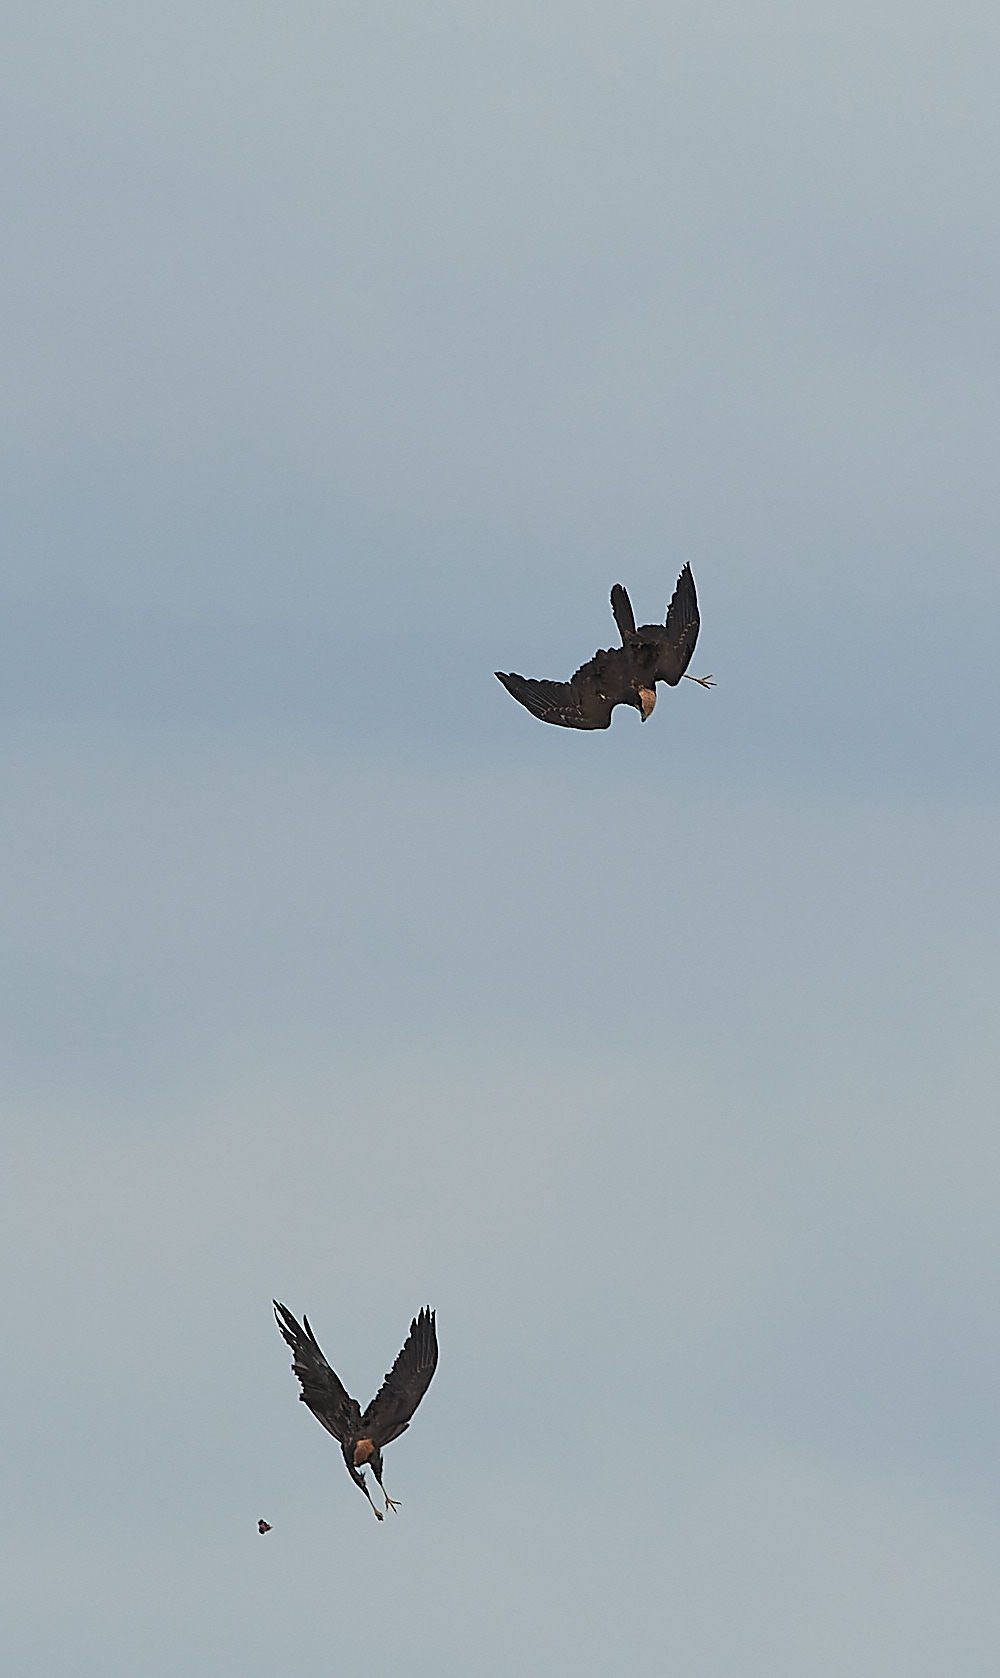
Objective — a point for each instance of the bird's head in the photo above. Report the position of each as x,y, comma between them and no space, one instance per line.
647,699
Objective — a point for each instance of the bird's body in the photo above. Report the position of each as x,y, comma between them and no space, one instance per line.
362,1436
625,675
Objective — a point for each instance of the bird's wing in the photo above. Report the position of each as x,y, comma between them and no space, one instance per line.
586,701
621,605
388,1414
324,1393
683,623
555,702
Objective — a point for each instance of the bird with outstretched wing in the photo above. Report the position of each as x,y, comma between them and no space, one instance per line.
361,1437
625,675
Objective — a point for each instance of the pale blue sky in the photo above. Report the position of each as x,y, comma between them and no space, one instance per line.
351,352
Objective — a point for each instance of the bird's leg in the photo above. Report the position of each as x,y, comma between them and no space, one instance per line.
705,681
363,1483
390,1502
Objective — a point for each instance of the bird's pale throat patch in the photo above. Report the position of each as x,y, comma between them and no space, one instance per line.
362,1451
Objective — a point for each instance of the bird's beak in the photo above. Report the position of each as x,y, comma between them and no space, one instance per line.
647,699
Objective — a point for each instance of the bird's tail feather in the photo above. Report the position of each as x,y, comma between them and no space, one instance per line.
621,605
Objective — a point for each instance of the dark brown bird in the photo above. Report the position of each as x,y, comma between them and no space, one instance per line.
625,675
388,1415
262,1526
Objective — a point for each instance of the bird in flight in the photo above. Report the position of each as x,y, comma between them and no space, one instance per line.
625,675
362,1437
263,1526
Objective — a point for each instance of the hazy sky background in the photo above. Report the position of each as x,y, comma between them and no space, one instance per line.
350,352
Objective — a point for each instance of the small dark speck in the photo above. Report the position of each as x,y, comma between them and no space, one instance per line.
262,1526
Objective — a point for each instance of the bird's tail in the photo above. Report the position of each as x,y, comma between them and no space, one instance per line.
621,605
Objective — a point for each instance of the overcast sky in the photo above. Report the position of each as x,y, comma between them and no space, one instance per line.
351,351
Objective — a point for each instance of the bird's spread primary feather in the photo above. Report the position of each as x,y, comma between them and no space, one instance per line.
388,1415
